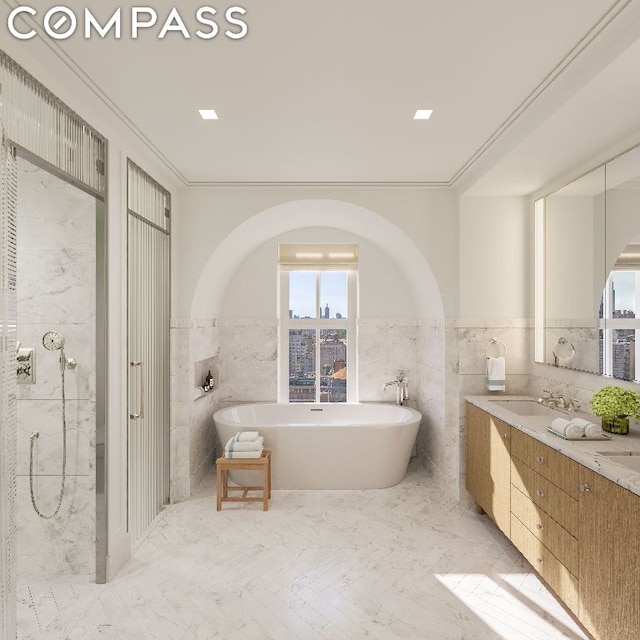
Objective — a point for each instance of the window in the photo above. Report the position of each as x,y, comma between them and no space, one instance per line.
317,323
620,326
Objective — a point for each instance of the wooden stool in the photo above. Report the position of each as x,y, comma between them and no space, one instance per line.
224,465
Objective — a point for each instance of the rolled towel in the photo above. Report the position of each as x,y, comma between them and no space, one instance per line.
243,454
592,430
240,445
572,431
558,425
589,429
246,436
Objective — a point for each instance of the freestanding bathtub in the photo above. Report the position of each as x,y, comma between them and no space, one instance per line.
327,446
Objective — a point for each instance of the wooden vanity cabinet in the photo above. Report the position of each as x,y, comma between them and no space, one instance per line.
489,465
609,558
576,528
544,513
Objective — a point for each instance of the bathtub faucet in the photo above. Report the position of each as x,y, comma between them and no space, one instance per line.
402,388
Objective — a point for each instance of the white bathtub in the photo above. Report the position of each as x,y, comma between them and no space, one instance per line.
327,446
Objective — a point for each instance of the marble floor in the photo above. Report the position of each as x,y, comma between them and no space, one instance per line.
390,564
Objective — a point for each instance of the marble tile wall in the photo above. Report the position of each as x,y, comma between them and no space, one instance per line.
245,351
430,396
56,291
192,435
472,338
583,336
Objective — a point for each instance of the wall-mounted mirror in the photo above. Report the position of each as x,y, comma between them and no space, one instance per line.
621,300
575,272
591,256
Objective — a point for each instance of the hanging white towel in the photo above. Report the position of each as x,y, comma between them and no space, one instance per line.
495,374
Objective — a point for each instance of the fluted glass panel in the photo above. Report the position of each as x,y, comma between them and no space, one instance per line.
8,419
37,121
148,309
147,198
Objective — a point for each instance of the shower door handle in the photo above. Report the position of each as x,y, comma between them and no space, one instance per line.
139,415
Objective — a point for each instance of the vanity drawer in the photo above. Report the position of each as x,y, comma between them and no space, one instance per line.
554,537
553,501
554,573
551,464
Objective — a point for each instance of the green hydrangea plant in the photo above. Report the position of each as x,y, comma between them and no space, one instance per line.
611,401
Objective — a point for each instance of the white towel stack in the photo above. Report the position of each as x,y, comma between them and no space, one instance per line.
576,429
245,444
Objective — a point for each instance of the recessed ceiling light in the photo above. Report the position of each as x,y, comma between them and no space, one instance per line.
423,114
208,114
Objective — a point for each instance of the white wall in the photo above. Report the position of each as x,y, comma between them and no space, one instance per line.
382,289
495,257
496,300
208,216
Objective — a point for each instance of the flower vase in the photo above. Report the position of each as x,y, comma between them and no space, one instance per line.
619,424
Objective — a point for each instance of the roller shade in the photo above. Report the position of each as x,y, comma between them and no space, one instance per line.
318,257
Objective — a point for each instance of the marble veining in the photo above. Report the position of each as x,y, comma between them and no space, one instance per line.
398,563
56,291
584,452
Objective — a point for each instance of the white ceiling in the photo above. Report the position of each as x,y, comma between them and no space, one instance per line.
326,91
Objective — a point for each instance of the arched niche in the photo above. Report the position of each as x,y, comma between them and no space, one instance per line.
248,236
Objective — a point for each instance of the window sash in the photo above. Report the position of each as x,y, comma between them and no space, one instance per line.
319,324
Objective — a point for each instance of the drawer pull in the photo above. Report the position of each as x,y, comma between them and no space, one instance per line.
540,493
540,459
539,560
584,488
539,526
504,436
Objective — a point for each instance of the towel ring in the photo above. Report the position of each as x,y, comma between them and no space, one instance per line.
562,344
499,344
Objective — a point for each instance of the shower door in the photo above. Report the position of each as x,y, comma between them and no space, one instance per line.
8,409
148,350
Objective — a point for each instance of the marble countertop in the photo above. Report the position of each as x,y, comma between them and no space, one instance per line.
586,452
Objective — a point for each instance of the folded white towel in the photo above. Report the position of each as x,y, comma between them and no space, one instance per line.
496,374
243,454
246,436
241,445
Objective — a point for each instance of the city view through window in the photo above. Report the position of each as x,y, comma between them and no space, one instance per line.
318,336
619,335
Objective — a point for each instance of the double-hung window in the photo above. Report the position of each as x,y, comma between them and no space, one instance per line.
317,306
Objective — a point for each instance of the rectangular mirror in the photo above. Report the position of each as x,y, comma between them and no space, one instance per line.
590,287
574,273
622,249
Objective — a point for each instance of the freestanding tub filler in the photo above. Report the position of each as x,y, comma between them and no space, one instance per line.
327,446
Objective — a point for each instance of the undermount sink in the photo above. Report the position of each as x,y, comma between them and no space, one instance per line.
630,459
528,408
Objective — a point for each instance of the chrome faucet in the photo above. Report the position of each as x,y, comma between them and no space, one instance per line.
402,388
558,401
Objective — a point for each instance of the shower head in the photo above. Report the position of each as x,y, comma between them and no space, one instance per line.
52,340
